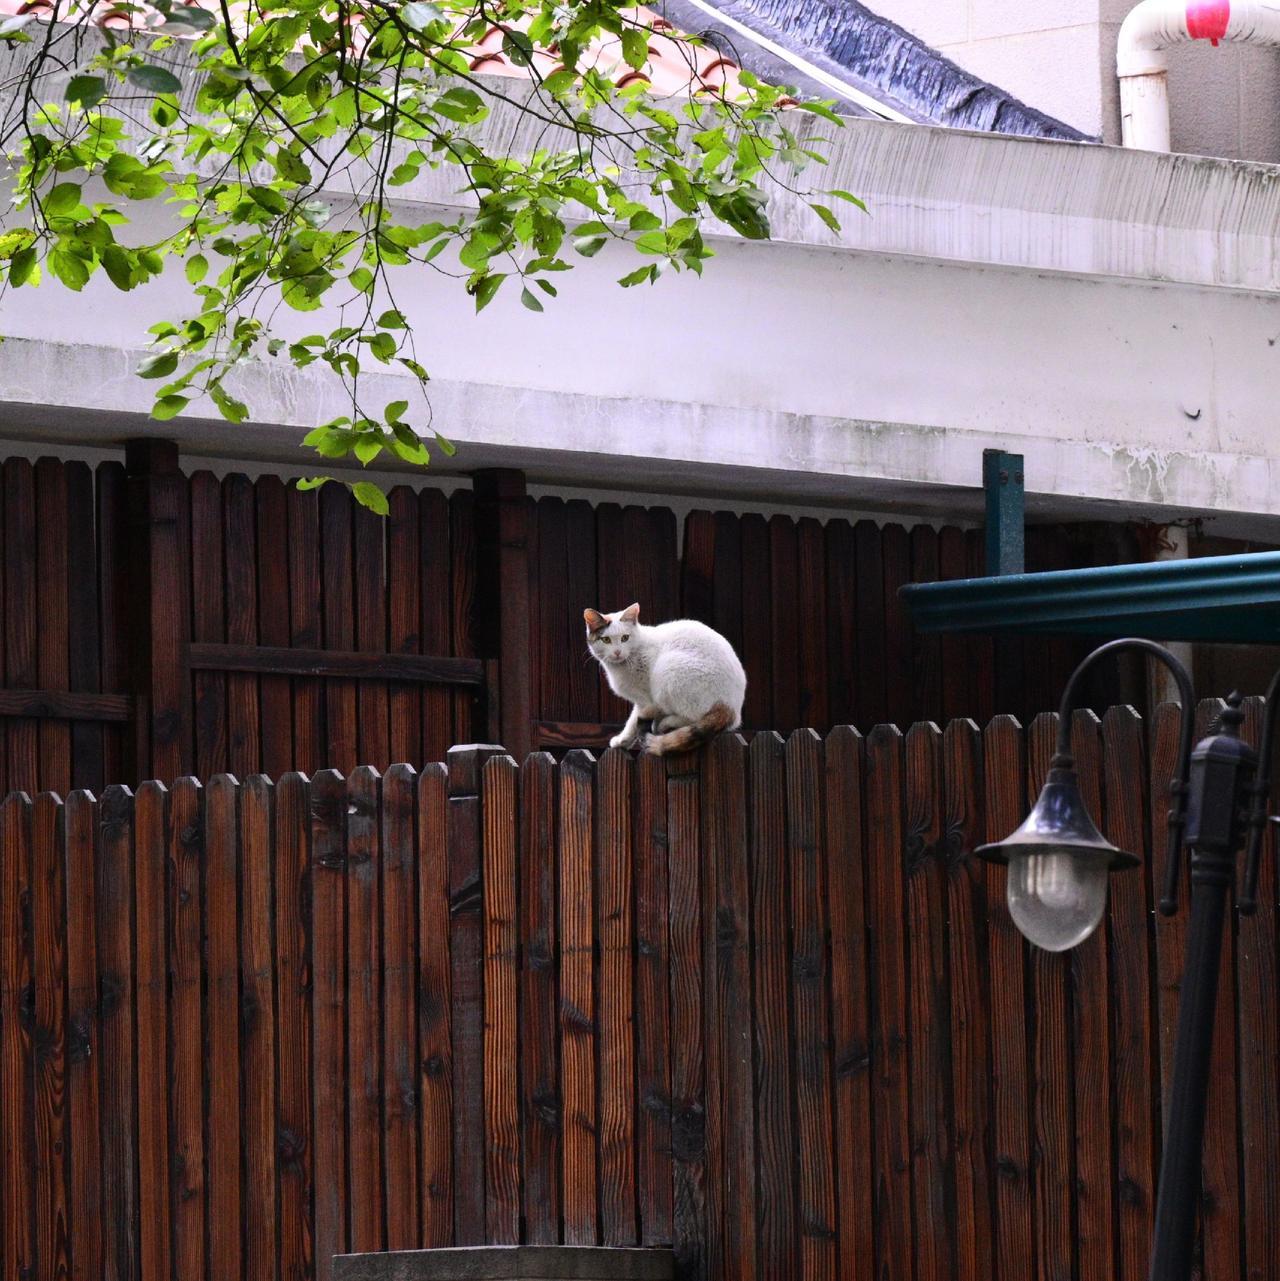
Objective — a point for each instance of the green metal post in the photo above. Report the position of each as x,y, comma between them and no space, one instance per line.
1006,509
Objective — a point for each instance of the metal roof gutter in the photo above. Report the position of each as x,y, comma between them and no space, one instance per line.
1234,599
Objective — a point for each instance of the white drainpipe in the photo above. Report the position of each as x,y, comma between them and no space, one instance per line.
1151,28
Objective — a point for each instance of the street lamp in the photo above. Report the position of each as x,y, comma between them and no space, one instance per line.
1058,863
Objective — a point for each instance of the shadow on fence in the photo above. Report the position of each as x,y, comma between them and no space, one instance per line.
759,1003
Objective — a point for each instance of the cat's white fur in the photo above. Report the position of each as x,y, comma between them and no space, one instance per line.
683,676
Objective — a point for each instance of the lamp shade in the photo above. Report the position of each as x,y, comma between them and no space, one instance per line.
1058,866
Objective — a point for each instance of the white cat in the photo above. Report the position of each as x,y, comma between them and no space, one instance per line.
681,676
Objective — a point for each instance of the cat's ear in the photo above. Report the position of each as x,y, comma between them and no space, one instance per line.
594,619
631,614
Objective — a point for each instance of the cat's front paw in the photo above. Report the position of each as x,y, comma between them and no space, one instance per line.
620,740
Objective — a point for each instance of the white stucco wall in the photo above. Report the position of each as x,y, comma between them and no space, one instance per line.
1061,59
1112,315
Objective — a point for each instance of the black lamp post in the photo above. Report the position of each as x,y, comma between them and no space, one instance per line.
1058,863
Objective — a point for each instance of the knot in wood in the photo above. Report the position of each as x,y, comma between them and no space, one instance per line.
689,1133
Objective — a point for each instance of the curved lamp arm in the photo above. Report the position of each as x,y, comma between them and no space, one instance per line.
1258,814
1178,810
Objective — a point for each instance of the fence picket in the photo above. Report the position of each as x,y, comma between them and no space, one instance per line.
501,978
540,1104
578,1026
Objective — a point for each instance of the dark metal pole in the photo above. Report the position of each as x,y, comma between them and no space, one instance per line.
1180,1166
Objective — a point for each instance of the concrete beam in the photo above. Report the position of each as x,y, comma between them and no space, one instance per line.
508,1263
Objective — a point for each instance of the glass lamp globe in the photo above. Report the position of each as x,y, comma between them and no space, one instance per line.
1058,865
1057,898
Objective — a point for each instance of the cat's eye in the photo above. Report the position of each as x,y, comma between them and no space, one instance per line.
608,640
625,639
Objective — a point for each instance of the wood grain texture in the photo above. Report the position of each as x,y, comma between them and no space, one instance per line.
727,924
614,930
435,1001
970,1059
653,1010
929,1051
222,1028
295,1166
84,624
305,627
84,1045
365,1195
578,1022
775,1205
806,856
208,623
850,1016
328,998
886,906
53,619
1004,776
1132,996
399,1031
51,1129
187,1066
272,575
118,1069
258,1049
151,851
690,1223
404,621
499,807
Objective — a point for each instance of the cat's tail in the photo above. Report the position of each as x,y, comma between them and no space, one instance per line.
687,737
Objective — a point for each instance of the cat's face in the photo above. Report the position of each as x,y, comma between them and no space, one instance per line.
611,637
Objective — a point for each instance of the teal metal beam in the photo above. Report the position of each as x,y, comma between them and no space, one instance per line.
1211,598
1002,480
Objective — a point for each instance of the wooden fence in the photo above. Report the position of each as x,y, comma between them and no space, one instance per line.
154,624
759,1003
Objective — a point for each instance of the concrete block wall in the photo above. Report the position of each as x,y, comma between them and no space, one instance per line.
1060,57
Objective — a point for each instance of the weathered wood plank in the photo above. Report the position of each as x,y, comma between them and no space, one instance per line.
499,809
272,575
365,1200
727,925
886,912
1004,775
400,1104
775,1206
222,1014
239,531
258,1049
83,612
53,619
962,790
1132,997
296,1160
151,852
328,995
404,623
52,1133
850,1019
305,626
578,1025
653,1010
928,1053
435,1042
613,930
84,1045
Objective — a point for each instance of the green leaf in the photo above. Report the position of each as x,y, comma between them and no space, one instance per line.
69,268
418,15
396,410
383,346
190,16
118,264
197,268
367,450
232,410
86,91
62,199
849,196
369,495
826,215
20,269
392,320
160,365
168,407
518,47
311,482
486,287
460,104
269,199
153,79
447,447
635,48
530,301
